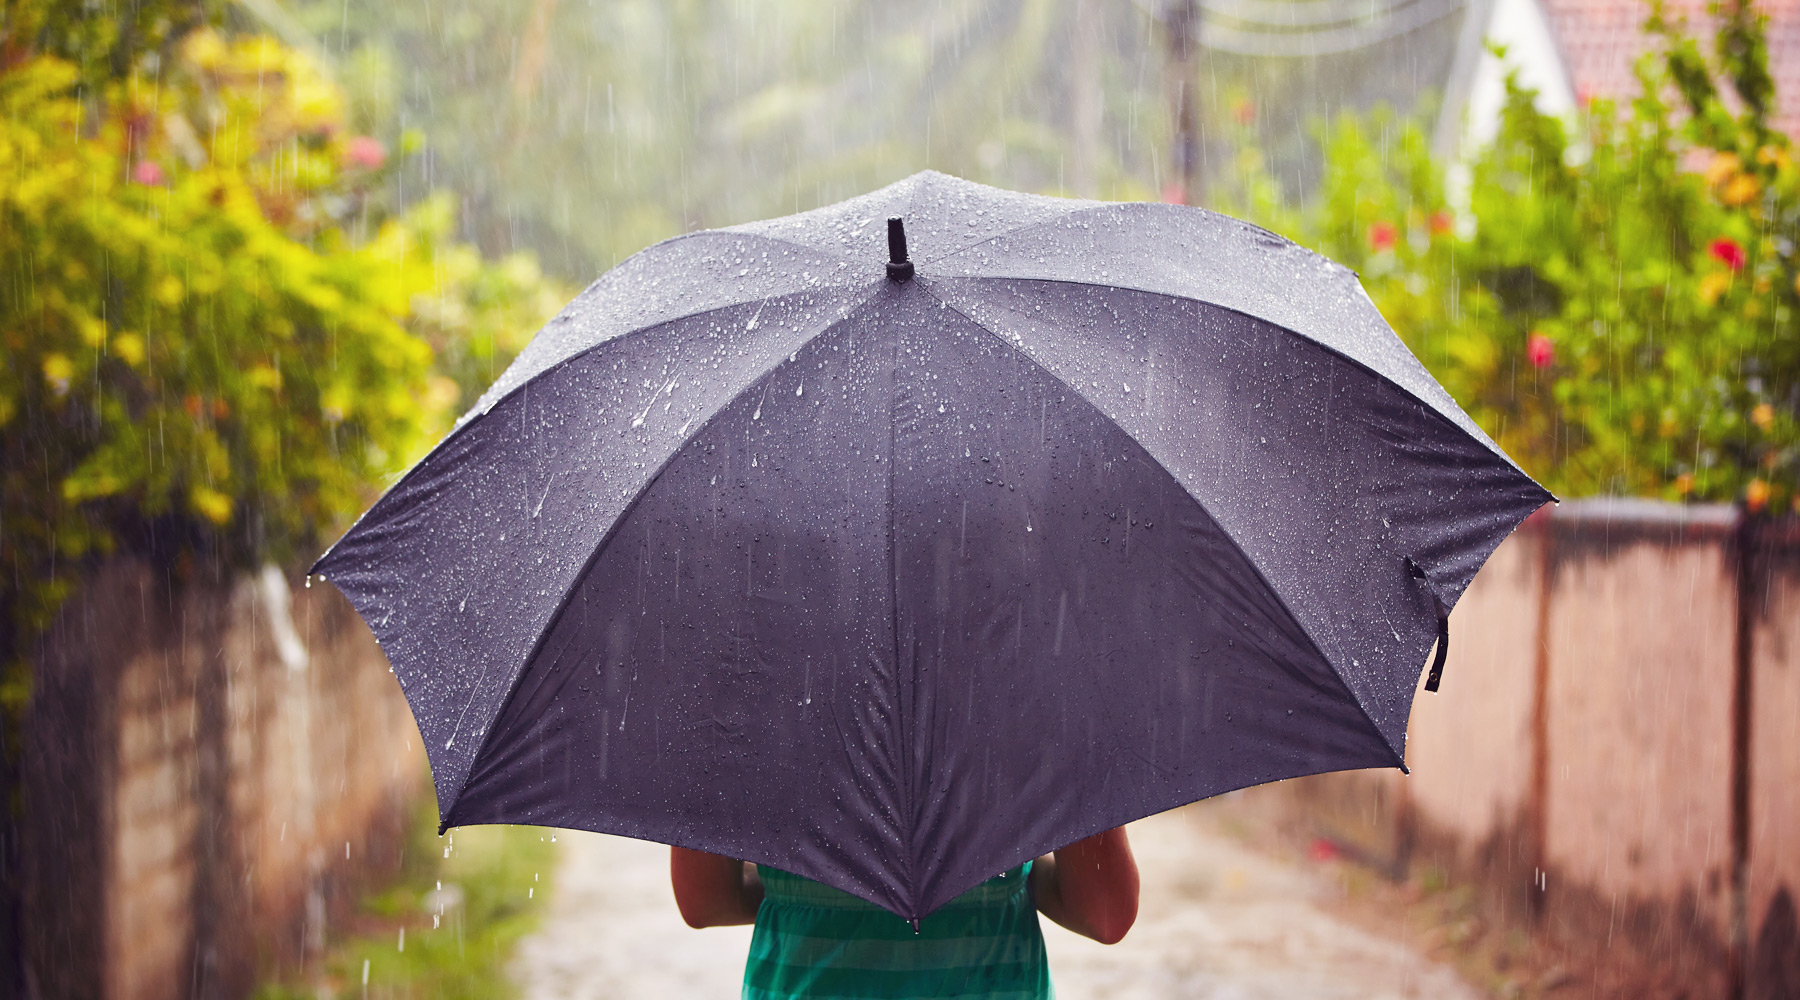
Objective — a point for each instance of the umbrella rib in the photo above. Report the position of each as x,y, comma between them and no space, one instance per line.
1472,428
470,421
613,530
852,280
905,691
1399,758
735,231
1083,207
1027,227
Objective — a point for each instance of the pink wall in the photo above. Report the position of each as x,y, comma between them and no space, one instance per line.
1588,726
1474,787
211,769
1638,793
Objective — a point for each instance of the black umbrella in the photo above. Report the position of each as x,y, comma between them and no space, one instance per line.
893,578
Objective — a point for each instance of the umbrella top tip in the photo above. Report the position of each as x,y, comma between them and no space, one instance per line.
899,267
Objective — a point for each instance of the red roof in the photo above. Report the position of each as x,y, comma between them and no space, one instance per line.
1600,41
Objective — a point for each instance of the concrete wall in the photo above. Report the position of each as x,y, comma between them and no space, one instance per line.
210,769
1615,752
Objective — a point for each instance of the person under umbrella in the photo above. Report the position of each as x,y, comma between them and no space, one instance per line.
815,941
897,574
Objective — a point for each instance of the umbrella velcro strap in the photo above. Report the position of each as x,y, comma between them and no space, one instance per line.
1414,570
1443,650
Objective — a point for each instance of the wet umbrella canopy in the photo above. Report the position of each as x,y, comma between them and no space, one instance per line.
897,576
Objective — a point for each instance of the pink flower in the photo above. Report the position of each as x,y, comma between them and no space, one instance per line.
1382,236
365,152
1540,351
1729,252
147,172
1244,113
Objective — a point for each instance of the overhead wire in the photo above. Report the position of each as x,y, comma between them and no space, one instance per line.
1325,27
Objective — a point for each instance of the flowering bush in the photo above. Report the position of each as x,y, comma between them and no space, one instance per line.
215,339
1620,321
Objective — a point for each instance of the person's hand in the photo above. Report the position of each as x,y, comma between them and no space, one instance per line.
713,891
1090,886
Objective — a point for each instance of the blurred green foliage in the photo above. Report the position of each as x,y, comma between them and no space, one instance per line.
445,929
1616,302
217,336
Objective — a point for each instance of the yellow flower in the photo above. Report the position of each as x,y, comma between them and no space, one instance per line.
1714,285
58,370
1763,416
210,504
130,348
205,49
1756,495
169,291
1740,190
264,377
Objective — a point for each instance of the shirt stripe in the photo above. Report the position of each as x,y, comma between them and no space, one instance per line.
816,942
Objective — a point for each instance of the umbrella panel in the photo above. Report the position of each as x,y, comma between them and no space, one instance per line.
991,622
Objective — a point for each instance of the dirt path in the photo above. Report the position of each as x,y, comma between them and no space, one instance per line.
1218,922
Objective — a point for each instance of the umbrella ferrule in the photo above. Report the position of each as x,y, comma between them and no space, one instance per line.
899,267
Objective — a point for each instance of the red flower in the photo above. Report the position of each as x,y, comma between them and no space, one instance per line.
1244,113
365,152
1323,850
1729,252
1441,222
1382,236
1540,351
147,172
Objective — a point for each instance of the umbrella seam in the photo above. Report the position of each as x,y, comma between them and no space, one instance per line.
908,779
471,417
606,539
736,231
1087,205
902,705
1399,760
1483,438
463,427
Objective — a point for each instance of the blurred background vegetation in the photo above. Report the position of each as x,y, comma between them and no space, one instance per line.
256,255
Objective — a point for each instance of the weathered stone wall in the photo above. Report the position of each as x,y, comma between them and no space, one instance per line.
210,769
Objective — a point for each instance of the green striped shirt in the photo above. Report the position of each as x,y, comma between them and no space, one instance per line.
817,942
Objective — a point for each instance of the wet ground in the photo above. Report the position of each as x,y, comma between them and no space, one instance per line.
1219,921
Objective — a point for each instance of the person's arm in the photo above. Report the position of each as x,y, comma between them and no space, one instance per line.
1090,886
713,891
